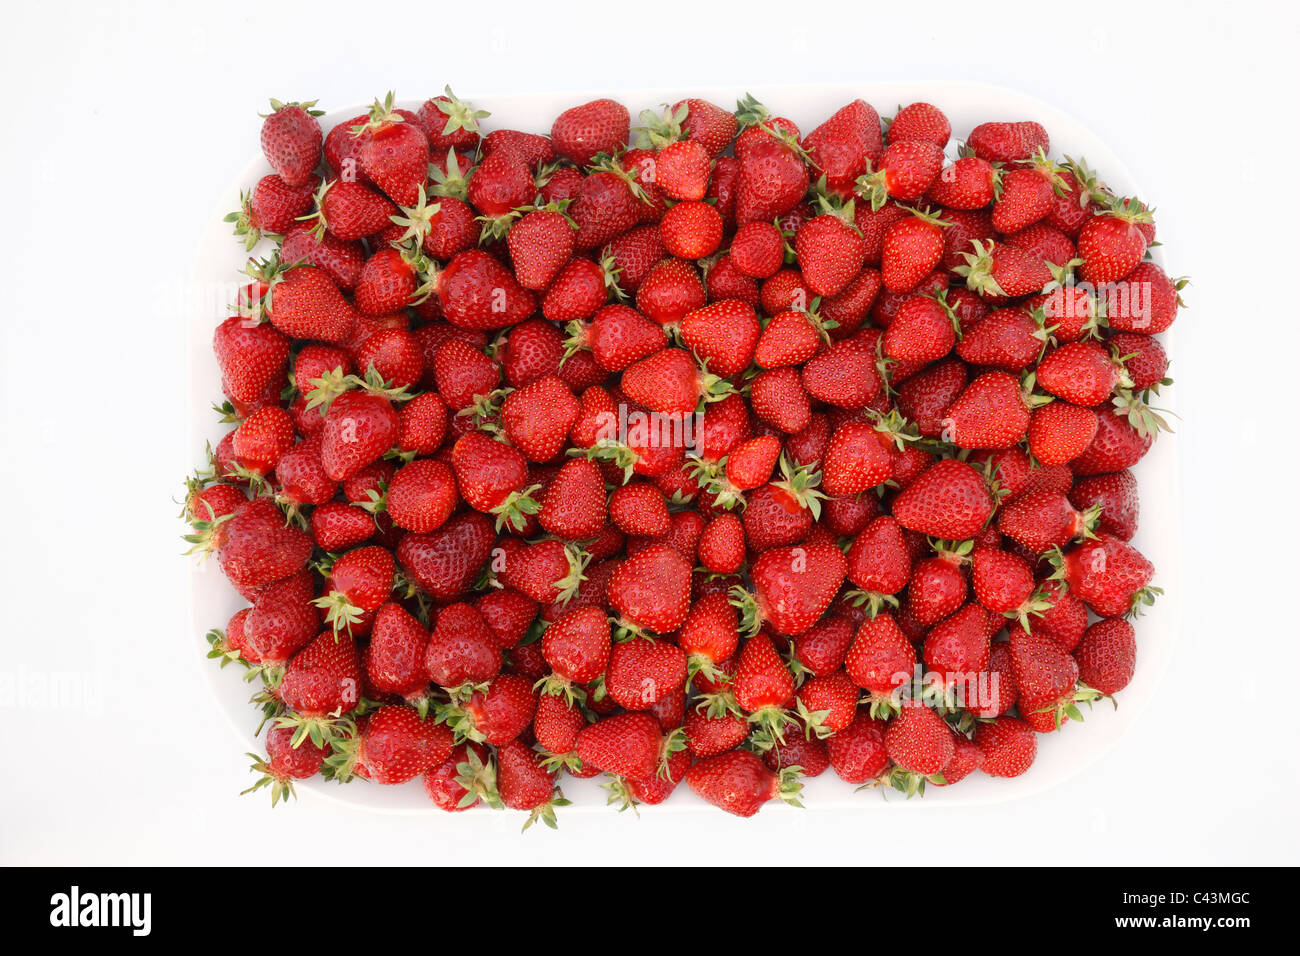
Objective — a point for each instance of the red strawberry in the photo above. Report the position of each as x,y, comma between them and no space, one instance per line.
723,335
920,121
881,658
691,230
1008,142
285,763
757,249
262,438
1083,373
772,180
904,173
347,210
918,740
1107,655
291,140
670,290
642,672
830,251
652,589
1008,745
359,428
858,457
256,547
477,292
1008,339
670,382
540,244
999,271
581,132
722,545
525,784
396,745
1116,446
252,357
1145,301
304,304
537,418
322,681
842,146
577,646
283,619
272,208
738,782
605,207
1112,244
958,646
1025,194
395,662
793,586
1109,575
1044,670
989,413
446,562
1042,520
491,476
547,571
618,336
965,184
922,331
461,650
949,500
843,375
911,247
394,154
625,744
857,753
1116,495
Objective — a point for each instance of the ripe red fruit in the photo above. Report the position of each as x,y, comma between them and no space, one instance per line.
738,782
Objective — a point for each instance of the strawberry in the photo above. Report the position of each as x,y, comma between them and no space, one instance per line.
495,714
999,271
462,651
966,184
524,783
789,338
581,132
842,146
922,331
691,230
1060,432
396,745
285,763
395,662
881,658
624,744
1008,142
704,122
949,500
255,546
670,382
643,671
843,375
772,180
858,457
763,687
446,562
989,413
1025,194
1112,244
321,681
291,140
722,545
723,335
477,292
336,526
1107,655
920,121
1116,446
347,211
830,250
757,249
670,290
651,590
709,734
904,173
491,477
573,506
827,704
1109,575
578,290
918,740
304,304
1008,746
1042,520
911,247
1145,301
540,243
633,254
395,153
739,783
387,283
1115,495
465,779
1044,671
618,337
958,646
857,753
546,570
1008,339
252,356
272,209
537,417
360,426
793,586
577,646
262,438
639,508
605,207
1082,373
282,620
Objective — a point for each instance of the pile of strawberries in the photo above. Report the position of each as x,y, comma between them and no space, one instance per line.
702,450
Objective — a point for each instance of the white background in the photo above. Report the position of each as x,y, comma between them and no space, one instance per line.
127,121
